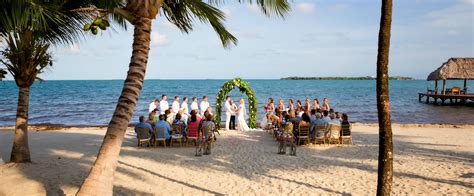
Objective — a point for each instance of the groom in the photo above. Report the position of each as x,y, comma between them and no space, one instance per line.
228,112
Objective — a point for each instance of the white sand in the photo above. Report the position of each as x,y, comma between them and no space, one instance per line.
428,160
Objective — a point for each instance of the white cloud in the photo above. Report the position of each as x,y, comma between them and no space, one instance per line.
158,39
471,2
305,7
456,16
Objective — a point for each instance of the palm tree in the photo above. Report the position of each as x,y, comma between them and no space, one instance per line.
140,14
385,162
28,28
3,73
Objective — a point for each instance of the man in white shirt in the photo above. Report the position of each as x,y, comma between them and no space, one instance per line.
164,105
184,106
194,104
153,105
228,112
204,105
175,105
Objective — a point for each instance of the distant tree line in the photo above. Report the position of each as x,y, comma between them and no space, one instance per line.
345,78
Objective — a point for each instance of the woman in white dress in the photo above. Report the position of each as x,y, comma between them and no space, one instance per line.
242,123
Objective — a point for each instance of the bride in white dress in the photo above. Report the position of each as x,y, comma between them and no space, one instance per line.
242,123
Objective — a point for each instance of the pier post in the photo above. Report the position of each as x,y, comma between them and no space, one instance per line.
465,86
436,86
444,87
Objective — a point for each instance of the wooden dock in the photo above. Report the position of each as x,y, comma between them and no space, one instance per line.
453,98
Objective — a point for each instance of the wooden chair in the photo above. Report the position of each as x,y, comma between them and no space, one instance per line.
160,136
320,133
192,133
177,134
346,133
303,133
334,132
143,136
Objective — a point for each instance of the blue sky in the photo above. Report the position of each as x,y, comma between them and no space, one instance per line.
318,38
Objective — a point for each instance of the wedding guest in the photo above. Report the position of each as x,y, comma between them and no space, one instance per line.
305,120
345,121
331,111
175,105
195,113
151,118
164,105
334,120
204,105
169,116
194,104
338,116
307,106
313,115
281,105
325,106
315,104
178,121
326,118
153,105
209,111
293,118
162,124
291,106
143,124
184,117
184,106
318,122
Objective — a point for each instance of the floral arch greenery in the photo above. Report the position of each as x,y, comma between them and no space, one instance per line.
243,87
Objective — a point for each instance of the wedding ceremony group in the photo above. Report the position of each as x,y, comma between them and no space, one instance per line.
236,97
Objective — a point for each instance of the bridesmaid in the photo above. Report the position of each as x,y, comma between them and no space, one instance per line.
315,105
291,106
281,105
270,107
325,106
298,105
307,106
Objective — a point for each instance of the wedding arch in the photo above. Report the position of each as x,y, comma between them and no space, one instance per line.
243,87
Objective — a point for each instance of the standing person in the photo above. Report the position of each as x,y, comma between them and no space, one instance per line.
175,105
270,107
281,105
291,106
184,106
153,105
315,104
232,117
307,106
325,106
228,112
164,105
194,104
298,105
204,105
241,117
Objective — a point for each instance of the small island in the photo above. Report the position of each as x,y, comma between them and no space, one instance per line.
345,78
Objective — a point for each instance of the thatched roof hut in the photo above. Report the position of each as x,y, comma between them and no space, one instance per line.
454,69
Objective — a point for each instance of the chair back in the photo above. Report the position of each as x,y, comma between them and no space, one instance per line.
288,129
320,130
334,130
193,129
177,128
159,132
143,133
303,130
346,129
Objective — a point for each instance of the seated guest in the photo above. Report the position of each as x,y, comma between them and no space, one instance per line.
178,121
305,120
326,117
193,125
169,117
313,115
143,124
318,122
209,110
151,118
338,117
184,116
196,113
293,118
345,123
331,111
162,124
334,120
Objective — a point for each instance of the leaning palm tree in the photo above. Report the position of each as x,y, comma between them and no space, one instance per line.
29,28
385,162
140,14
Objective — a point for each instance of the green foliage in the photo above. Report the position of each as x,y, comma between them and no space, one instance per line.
243,87
2,74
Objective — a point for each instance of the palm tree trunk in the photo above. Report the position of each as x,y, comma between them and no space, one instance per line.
385,162
20,150
100,179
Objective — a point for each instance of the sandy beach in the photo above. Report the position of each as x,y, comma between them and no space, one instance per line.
428,160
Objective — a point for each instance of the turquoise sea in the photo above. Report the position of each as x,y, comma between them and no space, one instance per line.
92,102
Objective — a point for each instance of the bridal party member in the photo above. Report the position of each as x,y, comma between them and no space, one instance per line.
228,112
315,105
164,105
153,105
291,105
242,123
270,107
175,105
194,104
184,106
298,105
281,105
325,106
307,105
204,105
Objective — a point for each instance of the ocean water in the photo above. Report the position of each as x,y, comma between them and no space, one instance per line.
93,102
